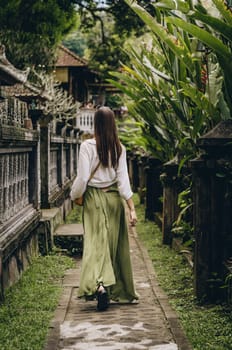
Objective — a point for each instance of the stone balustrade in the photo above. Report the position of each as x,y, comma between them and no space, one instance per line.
14,182
85,120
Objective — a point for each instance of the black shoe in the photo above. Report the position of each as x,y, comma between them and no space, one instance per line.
102,299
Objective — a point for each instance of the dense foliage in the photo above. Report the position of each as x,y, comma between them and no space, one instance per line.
178,82
102,32
125,20
176,90
30,30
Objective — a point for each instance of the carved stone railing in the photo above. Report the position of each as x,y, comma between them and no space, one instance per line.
19,192
85,120
58,158
14,185
13,112
4,111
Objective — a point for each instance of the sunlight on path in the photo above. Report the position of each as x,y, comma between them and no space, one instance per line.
87,335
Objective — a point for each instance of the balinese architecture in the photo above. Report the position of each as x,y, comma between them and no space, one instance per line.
8,73
76,77
38,161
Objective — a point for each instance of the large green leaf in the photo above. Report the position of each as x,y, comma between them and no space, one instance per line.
162,33
204,36
200,99
220,49
179,5
217,24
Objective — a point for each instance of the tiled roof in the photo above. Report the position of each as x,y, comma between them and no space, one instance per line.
67,58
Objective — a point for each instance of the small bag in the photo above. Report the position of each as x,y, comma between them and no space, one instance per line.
80,201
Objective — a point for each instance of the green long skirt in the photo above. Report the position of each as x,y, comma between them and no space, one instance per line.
106,256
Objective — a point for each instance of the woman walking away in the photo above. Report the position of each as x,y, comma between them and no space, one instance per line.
106,271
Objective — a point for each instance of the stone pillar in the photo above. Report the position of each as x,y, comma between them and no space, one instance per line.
62,164
142,163
45,161
170,199
61,130
212,219
34,175
153,188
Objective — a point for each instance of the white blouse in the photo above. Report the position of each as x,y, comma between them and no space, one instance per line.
103,177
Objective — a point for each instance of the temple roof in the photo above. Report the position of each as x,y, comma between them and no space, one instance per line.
8,73
67,58
26,92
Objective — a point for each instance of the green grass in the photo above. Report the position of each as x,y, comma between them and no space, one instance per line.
29,305
207,327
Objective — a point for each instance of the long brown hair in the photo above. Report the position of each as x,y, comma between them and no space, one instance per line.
109,148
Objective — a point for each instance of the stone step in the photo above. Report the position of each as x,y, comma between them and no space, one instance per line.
70,230
70,237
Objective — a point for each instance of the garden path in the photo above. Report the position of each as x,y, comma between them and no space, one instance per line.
149,325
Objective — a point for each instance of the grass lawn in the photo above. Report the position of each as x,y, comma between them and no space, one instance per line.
208,327
29,305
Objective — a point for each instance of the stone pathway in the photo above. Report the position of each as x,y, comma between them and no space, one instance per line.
149,325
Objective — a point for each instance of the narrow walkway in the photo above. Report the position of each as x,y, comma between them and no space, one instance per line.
149,325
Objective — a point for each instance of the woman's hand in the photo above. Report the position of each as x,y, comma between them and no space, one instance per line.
133,217
132,213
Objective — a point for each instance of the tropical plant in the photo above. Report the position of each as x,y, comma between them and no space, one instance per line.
131,135
177,90
178,93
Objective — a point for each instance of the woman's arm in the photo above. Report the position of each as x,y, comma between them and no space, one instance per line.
83,170
124,186
123,181
132,213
